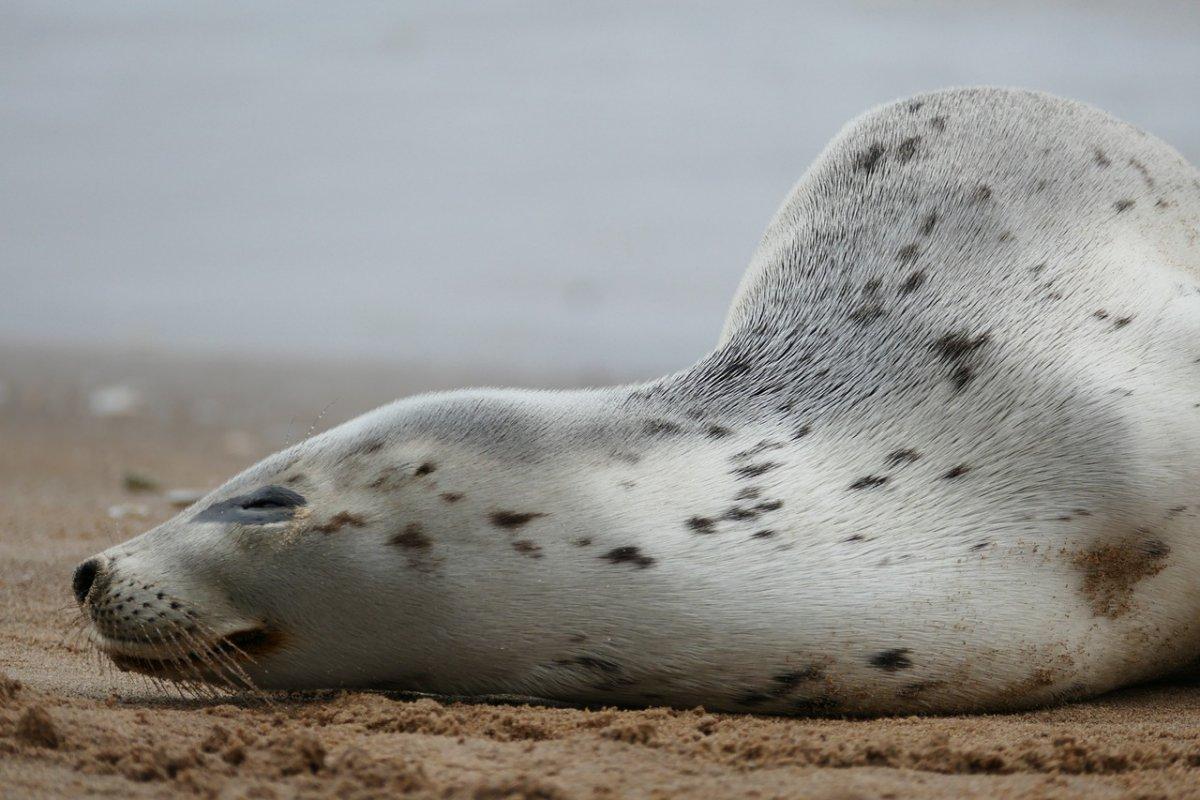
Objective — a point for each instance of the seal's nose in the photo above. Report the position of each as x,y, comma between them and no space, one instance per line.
85,576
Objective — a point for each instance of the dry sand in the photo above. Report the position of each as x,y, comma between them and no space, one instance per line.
67,727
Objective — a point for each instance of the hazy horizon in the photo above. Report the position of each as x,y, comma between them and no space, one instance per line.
530,185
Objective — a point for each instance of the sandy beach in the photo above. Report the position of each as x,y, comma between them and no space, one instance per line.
74,428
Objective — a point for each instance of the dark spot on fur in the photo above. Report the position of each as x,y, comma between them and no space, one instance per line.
892,660
341,520
769,505
763,534
584,542
451,497
717,431
908,253
980,546
758,449
1037,268
412,538
1101,314
981,194
912,282
905,456
295,478
737,513
513,519
858,537
1101,159
1123,205
907,149
388,476
1145,173
868,160
938,123
915,106
628,555
372,446
958,345
527,548
425,469
1006,236
867,313
955,472
733,370
1122,322
928,223
754,470
702,524
749,493
1161,204
787,681
869,482
659,427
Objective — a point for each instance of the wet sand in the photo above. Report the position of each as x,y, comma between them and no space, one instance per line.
67,726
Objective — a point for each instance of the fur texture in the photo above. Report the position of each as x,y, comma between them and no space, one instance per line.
944,457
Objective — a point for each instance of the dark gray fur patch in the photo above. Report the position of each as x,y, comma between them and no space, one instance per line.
957,472
903,456
717,431
867,313
513,519
1123,205
629,555
527,548
928,223
892,660
912,282
754,470
757,449
702,524
868,160
660,427
411,538
869,482
907,149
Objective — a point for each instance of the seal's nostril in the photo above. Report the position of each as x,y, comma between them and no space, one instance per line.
85,576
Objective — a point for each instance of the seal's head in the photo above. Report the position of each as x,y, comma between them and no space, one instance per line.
330,563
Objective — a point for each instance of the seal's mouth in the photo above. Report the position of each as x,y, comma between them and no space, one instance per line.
214,660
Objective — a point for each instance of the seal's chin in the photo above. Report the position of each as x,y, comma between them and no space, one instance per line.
219,660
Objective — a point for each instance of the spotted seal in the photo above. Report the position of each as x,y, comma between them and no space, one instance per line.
944,457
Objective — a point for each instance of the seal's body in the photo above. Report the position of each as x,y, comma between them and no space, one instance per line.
944,457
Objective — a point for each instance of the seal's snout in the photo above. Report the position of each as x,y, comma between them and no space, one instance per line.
85,577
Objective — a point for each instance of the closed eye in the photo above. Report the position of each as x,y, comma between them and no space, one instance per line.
263,506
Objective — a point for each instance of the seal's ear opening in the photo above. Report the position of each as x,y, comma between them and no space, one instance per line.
262,506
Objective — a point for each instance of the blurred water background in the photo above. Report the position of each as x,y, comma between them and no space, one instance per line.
558,191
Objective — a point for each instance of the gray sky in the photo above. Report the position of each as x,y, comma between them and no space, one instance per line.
556,187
